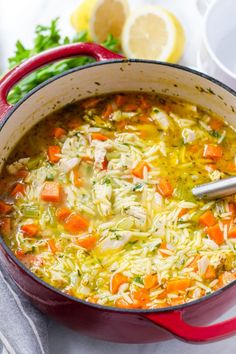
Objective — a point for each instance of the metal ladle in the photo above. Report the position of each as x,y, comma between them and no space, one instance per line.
215,190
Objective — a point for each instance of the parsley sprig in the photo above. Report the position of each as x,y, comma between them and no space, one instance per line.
47,37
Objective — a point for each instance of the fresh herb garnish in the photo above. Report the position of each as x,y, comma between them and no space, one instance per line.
215,134
47,37
106,181
137,187
138,280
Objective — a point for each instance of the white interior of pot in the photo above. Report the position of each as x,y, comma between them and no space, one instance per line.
115,77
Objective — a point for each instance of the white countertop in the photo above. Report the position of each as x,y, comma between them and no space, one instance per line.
18,19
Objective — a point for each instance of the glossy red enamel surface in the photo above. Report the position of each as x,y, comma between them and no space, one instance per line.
105,323
16,74
126,326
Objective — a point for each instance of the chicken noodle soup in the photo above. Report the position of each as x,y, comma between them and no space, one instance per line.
96,201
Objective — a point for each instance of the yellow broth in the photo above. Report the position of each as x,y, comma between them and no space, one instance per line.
96,201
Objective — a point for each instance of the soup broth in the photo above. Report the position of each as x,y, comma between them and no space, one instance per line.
96,201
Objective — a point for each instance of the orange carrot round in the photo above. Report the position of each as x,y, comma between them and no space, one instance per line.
178,285
215,233
51,192
116,281
207,219
87,241
150,281
30,229
76,223
53,153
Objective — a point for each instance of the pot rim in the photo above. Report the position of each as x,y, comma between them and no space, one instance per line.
59,292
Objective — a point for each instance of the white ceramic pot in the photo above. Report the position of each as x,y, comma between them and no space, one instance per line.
217,54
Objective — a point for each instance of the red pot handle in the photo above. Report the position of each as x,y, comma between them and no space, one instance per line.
173,322
93,50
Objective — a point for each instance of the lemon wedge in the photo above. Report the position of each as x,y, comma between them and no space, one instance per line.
81,16
108,17
153,33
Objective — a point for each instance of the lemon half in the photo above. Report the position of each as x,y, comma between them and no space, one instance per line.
81,16
153,33
108,17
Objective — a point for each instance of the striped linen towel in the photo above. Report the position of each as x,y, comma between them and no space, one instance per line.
23,329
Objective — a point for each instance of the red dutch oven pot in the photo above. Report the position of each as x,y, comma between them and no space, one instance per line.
113,73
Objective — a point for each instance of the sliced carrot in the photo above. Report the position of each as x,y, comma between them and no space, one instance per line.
165,188
216,124
150,281
163,246
194,263
116,281
130,107
121,125
207,219
30,229
162,295
120,100
232,208
62,214
210,273
99,136
215,233
58,132
139,169
144,118
74,123
52,246
141,297
178,285
104,164
182,212
76,180
19,254
193,148
231,166
144,103
18,189
53,153
76,223
5,226
91,102
212,151
51,192
232,233
4,207
88,241
107,112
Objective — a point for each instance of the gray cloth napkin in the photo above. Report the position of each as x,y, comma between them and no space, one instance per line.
23,329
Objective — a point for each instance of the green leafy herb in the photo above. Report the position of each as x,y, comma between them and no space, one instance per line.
138,280
50,177
106,181
116,236
215,134
47,37
137,187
